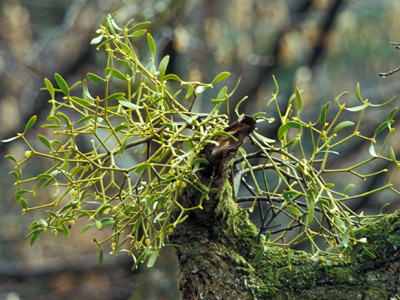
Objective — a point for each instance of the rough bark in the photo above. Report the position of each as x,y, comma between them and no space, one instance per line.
218,246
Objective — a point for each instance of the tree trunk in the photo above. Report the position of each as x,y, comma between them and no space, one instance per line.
218,249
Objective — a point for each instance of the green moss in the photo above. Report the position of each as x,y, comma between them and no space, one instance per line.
306,278
226,207
394,240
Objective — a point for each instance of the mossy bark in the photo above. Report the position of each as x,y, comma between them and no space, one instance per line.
218,246
217,261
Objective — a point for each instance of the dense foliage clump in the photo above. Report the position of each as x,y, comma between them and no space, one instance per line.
121,159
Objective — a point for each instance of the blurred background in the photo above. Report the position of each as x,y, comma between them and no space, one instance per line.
324,47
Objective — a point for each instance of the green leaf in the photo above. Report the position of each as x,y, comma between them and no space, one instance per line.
392,155
342,125
358,93
158,216
35,235
189,91
359,231
10,157
238,105
222,93
293,124
220,77
172,77
339,223
142,167
294,210
349,187
138,33
49,87
52,214
382,127
369,253
322,115
281,270
94,78
234,89
16,175
101,211
184,117
381,210
129,105
115,96
121,127
152,45
357,108
324,202
139,25
203,187
126,64
84,119
44,141
282,131
291,143
311,211
54,119
35,225
98,224
115,73
49,126
86,91
285,127
276,85
200,161
62,84
101,257
30,123
299,101
152,258
123,146
82,102
114,25
264,139
259,255
56,192
390,116
201,88
287,194
23,203
96,40
346,237
127,49
65,118
372,150
10,139
338,97
111,24
49,180
75,85
105,223
163,67
65,231
137,224
256,115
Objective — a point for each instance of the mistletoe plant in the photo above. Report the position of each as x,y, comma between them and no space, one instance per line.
120,160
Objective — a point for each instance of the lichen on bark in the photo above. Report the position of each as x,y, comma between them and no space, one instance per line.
218,246
217,262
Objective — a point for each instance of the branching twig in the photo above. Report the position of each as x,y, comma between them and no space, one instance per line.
395,70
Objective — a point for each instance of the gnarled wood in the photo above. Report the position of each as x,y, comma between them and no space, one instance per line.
218,246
